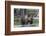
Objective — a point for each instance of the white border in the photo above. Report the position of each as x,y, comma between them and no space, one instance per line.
26,28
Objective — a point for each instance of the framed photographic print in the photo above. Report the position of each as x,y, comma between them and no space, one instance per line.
24,17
